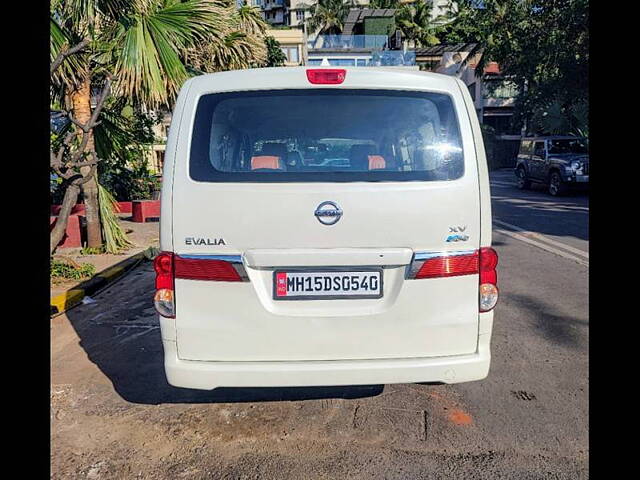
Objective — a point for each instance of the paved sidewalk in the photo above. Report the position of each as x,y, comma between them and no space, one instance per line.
142,235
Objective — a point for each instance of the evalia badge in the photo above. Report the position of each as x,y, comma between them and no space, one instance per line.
204,241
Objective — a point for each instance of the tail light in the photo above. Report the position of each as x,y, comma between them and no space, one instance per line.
449,266
482,262
206,269
326,76
169,266
164,300
488,279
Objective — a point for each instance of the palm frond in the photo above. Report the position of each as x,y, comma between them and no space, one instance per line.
115,240
73,67
148,47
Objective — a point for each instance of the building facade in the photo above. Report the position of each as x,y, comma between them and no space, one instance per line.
293,44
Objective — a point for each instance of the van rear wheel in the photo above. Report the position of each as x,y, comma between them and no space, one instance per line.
556,186
523,179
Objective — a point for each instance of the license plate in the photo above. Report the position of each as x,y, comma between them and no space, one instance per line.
327,284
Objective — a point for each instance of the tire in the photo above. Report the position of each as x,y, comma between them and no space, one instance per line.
556,186
523,179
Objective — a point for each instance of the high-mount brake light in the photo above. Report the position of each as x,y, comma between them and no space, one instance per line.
326,76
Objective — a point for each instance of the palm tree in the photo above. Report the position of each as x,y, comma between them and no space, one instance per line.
328,16
385,4
250,19
139,49
238,42
417,25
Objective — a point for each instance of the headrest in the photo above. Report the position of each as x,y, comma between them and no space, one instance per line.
266,161
277,149
357,150
358,156
376,162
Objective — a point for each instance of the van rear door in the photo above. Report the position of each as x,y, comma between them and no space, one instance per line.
365,186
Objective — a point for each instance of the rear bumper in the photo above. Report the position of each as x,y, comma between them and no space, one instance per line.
210,375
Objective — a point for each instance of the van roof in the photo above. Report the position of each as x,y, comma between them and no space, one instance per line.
295,77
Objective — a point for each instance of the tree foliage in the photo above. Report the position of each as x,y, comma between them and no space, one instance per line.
328,16
541,45
384,4
416,23
237,42
152,46
136,53
275,55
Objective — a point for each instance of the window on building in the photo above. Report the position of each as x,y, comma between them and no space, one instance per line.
498,88
291,53
501,124
300,15
342,62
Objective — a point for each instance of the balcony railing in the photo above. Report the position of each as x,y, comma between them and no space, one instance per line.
392,58
347,42
270,4
380,58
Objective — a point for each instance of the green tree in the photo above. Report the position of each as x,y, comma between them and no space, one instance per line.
140,50
275,55
416,23
384,4
328,16
541,45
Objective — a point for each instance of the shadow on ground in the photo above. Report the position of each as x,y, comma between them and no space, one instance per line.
121,335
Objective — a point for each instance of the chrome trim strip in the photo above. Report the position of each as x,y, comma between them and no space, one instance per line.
445,253
226,258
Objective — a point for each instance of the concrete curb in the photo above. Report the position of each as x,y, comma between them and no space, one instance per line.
64,301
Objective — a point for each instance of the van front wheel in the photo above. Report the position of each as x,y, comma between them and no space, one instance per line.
523,179
556,186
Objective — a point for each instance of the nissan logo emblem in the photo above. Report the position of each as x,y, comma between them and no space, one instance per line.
328,213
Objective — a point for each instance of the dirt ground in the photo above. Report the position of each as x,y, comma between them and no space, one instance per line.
113,415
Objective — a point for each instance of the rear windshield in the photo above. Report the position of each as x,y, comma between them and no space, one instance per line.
325,135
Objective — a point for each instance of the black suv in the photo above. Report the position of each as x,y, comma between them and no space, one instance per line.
557,161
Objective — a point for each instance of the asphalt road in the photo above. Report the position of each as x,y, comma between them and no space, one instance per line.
561,219
114,416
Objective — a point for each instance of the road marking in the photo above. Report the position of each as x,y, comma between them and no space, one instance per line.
543,238
525,237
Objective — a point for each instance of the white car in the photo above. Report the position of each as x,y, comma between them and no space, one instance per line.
280,270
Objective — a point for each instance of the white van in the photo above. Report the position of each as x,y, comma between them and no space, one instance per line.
325,226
